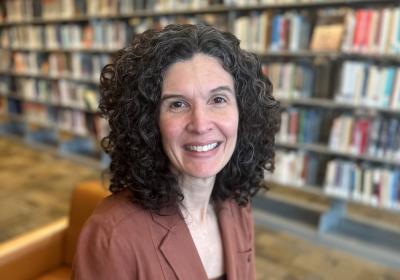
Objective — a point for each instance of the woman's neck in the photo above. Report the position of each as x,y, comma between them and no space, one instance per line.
197,193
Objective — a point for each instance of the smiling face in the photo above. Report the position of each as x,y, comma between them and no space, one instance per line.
198,116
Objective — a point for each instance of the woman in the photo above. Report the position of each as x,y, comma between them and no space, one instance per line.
192,124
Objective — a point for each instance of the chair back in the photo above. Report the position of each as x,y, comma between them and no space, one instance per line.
85,197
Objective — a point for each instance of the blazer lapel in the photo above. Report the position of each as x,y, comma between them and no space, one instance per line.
229,240
178,248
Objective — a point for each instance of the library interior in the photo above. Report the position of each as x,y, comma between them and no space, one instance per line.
332,210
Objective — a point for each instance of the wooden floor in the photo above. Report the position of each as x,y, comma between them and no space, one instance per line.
36,187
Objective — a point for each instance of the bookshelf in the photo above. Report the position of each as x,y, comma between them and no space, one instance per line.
51,65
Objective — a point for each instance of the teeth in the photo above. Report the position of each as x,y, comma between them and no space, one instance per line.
204,148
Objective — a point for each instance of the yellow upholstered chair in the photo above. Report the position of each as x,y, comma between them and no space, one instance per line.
47,252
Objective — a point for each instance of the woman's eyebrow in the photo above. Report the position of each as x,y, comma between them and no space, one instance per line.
168,96
222,88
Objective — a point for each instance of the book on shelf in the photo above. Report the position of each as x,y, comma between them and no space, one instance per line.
57,93
363,83
301,79
76,65
372,30
377,137
328,32
368,184
107,34
300,126
296,168
290,31
253,31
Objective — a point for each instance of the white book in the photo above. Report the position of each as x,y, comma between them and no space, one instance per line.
385,191
393,40
346,133
350,22
32,64
63,91
126,7
295,30
75,36
240,28
384,30
334,134
76,65
359,77
284,128
93,7
51,36
347,82
67,8
371,47
357,183
264,29
330,175
372,97
367,190
395,99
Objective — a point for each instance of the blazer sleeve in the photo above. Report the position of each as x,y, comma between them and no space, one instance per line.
103,254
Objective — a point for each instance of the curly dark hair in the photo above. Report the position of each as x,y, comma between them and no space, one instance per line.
130,91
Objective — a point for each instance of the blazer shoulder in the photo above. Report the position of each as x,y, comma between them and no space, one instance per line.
117,210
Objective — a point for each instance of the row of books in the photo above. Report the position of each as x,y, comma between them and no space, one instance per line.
261,31
105,34
296,168
60,93
20,10
258,32
76,65
293,80
372,30
364,183
371,185
301,125
73,121
363,83
376,137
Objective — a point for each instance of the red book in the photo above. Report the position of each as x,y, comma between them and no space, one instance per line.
366,30
293,126
364,135
359,29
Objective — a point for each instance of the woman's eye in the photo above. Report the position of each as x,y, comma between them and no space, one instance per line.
219,100
177,104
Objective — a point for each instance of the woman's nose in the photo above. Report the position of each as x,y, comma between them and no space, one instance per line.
200,120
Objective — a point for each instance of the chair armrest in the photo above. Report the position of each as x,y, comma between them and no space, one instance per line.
31,254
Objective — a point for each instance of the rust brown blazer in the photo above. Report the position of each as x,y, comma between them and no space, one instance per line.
122,241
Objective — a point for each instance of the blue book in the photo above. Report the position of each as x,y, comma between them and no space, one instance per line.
395,187
275,32
387,93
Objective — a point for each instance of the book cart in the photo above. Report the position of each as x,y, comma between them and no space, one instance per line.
340,131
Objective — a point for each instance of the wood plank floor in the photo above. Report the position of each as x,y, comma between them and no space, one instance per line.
36,188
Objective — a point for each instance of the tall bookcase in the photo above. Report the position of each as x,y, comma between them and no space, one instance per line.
340,134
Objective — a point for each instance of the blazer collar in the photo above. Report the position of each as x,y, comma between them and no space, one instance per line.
179,250
228,231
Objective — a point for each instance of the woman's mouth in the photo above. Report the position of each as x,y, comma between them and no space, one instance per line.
201,148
